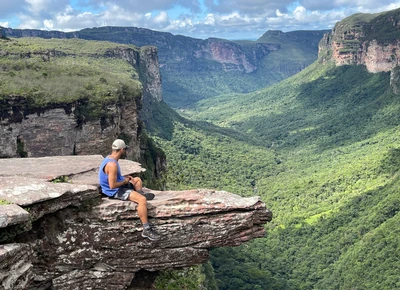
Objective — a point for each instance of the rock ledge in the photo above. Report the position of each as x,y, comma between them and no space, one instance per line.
65,236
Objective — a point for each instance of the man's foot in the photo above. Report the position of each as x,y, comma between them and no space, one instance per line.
147,195
151,234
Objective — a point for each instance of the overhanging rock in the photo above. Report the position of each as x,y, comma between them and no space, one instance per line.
74,239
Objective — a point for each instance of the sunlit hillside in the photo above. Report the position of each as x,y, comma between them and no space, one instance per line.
323,153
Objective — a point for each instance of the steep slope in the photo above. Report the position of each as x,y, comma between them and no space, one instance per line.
194,69
327,169
327,164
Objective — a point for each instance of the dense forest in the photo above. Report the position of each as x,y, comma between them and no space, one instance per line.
322,150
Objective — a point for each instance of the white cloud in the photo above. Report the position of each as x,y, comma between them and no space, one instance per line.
161,18
279,13
177,26
48,24
248,7
28,22
300,14
209,20
140,6
354,5
4,24
35,6
223,18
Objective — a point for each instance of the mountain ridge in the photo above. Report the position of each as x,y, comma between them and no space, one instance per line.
194,69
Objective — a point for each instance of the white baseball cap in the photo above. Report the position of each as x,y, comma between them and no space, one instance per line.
119,144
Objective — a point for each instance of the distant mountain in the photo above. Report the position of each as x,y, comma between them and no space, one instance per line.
194,69
307,38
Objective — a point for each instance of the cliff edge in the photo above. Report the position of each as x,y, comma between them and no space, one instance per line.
364,39
57,232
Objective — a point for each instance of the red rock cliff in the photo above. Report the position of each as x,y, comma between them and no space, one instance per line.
372,40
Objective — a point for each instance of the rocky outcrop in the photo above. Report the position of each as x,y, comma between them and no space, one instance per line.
63,235
375,56
150,74
371,40
364,39
79,127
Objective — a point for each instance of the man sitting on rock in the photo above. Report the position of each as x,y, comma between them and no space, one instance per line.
114,185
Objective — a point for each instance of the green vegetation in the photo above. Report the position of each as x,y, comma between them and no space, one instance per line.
2,202
301,41
381,27
60,179
322,150
191,278
56,71
355,22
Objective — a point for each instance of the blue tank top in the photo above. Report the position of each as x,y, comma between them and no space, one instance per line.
103,177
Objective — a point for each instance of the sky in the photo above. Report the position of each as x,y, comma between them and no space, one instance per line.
228,19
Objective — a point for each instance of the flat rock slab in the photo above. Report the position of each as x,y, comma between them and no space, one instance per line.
27,191
183,203
198,202
51,168
11,214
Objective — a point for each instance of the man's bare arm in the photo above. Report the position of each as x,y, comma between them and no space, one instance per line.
111,170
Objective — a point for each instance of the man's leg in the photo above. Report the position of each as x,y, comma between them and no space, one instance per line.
148,231
138,186
142,205
137,183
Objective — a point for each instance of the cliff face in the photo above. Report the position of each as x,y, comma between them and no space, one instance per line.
65,236
55,130
233,57
33,33
146,63
224,55
65,128
178,52
364,39
375,56
229,55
